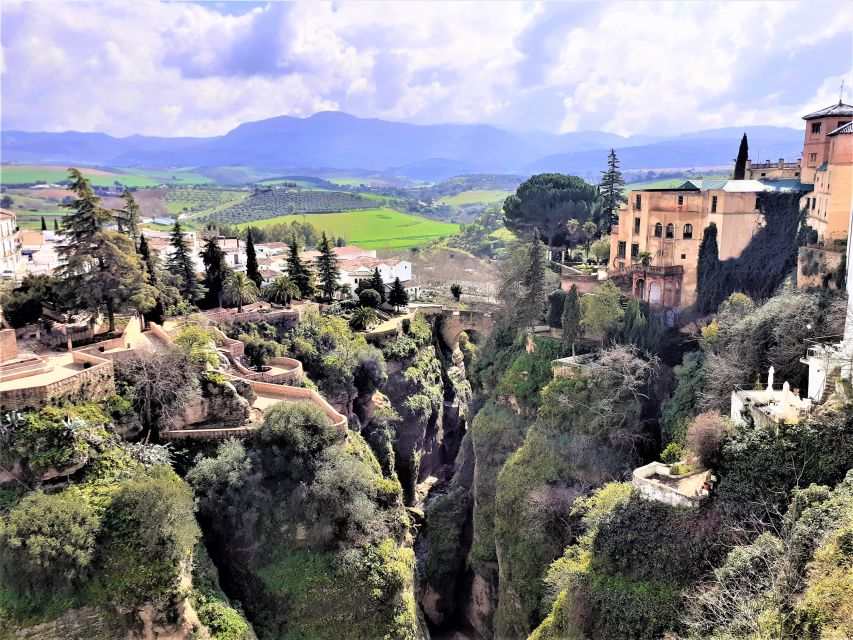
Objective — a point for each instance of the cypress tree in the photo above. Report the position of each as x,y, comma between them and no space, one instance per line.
571,318
377,284
327,268
215,272
708,272
298,270
43,224
147,260
398,296
128,220
532,303
182,265
742,156
56,224
611,190
252,260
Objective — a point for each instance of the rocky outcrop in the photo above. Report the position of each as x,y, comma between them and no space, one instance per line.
227,403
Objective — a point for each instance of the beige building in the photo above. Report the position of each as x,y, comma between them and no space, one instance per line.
11,261
655,245
780,170
830,203
817,141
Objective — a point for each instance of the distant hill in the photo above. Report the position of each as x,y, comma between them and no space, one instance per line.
420,152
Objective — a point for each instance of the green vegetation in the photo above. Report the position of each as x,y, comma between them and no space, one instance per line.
475,196
199,201
373,228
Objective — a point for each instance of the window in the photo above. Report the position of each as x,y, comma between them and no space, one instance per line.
684,256
635,250
680,200
814,202
713,204
670,230
688,232
763,174
757,202
620,251
636,226
638,202
812,157
841,123
815,127
658,230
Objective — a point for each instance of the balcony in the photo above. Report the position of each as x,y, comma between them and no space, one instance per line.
652,270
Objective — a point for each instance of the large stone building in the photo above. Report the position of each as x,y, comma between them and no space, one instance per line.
816,144
829,204
655,245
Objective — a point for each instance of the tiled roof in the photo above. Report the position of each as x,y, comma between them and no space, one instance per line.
843,129
839,109
745,186
367,263
272,245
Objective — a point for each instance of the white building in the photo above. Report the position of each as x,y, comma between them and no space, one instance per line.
769,405
39,250
11,262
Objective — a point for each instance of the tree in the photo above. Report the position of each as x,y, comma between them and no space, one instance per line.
363,317
708,286
456,291
252,260
128,218
555,308
546,201
705,436
282,290
258,351
369,298
611,189
601,310
182,265
298,270
601,249
43,224
239,289
56,224
215,271
378,284
6,201
101,270
328,272
523,286
589,232
24,304
571,318
398,297
742,156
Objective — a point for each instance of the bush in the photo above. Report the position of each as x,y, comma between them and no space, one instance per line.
21,308
369,298
258,351
672,453
293,435
705,436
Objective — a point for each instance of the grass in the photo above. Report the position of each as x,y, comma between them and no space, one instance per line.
372,228
30,174
200,201
181,176
350,182
475,196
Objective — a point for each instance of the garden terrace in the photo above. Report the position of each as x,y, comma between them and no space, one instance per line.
655,482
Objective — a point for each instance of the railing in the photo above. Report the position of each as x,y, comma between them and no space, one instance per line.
651,270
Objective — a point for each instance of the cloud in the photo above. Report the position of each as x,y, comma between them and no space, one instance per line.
179,68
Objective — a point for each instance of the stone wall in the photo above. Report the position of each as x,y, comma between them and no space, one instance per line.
813,263
8,345
295,394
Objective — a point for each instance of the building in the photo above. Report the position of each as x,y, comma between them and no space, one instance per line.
780,170
655,245
160,242
11,261
830,203
817,140
769,406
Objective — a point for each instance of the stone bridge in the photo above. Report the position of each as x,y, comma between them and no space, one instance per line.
455,321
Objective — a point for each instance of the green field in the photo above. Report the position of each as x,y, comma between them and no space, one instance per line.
177,176
372,228
30,174
475,196
200,201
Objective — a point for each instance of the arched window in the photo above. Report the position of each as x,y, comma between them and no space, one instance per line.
688,231
658,230
670,230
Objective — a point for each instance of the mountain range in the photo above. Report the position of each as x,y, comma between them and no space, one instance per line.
425,152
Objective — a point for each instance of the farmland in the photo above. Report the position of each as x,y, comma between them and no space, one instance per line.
475,196
372,228
199,200
271,202
21,174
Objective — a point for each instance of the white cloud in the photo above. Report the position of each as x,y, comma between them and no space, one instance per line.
187,69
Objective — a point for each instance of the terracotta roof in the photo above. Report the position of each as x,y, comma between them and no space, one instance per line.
270,273
344,253
839,109
369,263
7,214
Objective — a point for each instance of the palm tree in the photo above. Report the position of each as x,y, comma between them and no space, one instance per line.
239,289
282,290
363,317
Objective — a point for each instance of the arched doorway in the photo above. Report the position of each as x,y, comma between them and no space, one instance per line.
640,289
655,293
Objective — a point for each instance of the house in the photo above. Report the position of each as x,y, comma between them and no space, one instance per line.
829,204
160,242
39,250
655,244
11,260
771,405
780,170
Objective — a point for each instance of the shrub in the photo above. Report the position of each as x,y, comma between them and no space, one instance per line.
369,298
705,436
672,453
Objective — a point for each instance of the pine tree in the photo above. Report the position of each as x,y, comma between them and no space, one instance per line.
56,224
611,190
377,284
88,217
328,272
215,272
708,286
128,218
298,270
571,319
252,260
147,260
43,224
182,265
742,156
398,296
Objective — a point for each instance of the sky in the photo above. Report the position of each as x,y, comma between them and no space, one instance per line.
202,68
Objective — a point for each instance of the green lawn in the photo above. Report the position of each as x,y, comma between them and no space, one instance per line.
372,228
474,196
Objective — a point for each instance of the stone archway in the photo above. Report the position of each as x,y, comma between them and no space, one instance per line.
640,289
655,292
